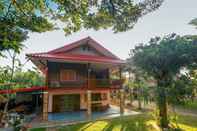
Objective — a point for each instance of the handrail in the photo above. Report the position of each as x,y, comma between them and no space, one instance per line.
83,83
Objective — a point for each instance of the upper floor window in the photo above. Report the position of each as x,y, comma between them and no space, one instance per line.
85,48
68,75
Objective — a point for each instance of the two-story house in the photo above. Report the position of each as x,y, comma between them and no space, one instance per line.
79,76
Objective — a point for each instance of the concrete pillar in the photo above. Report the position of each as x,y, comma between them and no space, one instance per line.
89,104
45,106
83,104
121,102
50,103
108,97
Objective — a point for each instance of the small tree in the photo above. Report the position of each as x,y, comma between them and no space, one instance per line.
138,82
163,58
193,22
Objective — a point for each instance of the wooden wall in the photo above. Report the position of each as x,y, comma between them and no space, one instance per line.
55,68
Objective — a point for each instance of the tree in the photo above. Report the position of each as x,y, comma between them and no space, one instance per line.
18,17
193,22
163,58
28,78
14,77
140,83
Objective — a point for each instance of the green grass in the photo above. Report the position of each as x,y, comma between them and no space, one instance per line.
191,105
143,122
38,129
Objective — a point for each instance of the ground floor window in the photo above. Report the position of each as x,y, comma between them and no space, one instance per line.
69,102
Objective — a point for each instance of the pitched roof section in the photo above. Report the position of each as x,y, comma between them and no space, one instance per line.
62,53
87,40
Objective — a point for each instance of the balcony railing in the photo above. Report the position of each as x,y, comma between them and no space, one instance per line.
93,83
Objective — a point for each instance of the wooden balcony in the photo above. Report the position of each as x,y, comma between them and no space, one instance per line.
93,83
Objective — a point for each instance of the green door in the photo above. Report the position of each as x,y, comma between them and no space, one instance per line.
62,103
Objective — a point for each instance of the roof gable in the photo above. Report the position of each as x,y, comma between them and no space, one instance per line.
86,41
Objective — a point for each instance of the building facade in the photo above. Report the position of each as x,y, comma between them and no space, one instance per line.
79,76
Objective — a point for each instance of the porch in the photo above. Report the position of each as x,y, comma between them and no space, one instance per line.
66,118
112,111
64,99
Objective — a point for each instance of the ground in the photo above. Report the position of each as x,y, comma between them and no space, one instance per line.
141,122
187,120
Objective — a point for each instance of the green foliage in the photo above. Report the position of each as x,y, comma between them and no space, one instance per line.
193,22
119,15
28,78
181,91
18,17
21,79
4,74
140,83
163,58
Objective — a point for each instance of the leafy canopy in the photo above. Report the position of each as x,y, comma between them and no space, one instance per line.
18,17
193,22
165,57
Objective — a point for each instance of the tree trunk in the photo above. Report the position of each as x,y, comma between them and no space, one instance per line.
131,96
13,57
139,99
139,104
162,104
11,77
163,113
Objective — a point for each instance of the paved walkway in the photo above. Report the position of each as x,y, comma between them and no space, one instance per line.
53,124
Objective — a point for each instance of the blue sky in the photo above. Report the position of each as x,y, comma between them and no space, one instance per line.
172,17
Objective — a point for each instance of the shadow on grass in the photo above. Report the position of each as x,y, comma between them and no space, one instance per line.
126,123
188,121
142,122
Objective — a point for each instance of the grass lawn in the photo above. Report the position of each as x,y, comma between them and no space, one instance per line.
191,105
142,122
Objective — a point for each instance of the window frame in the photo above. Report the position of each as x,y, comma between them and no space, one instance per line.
62,75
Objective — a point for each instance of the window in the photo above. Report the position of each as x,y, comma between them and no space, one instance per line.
85,48
67,75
